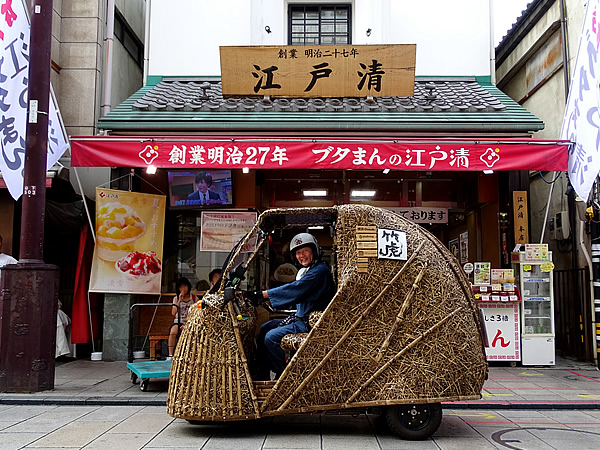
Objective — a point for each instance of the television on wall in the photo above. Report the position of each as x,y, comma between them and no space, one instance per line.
203,189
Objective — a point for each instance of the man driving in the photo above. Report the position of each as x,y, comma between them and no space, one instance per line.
312,291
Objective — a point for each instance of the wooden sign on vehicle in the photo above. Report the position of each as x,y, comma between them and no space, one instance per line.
366,245
366,253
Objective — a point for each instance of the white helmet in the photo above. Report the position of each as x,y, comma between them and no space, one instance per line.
304,240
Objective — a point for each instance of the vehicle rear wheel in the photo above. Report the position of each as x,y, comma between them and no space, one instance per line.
414,422
200,422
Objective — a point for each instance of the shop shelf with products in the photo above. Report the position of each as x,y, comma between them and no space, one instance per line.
500,304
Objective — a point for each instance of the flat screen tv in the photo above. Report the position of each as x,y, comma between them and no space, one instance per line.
200,189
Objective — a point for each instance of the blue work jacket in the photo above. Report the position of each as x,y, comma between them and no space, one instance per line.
312,292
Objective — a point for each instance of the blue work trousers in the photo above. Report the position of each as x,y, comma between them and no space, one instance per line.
269,342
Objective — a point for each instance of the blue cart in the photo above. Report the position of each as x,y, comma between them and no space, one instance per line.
144,370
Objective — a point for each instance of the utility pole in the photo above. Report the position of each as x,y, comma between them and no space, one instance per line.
30,288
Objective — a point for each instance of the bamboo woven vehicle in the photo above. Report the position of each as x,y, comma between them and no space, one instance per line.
399,336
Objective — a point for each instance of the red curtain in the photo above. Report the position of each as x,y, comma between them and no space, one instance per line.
80,328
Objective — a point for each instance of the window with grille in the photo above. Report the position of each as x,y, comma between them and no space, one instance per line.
319,24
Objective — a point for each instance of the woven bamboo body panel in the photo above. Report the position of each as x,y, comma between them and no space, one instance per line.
434,351
399,332
209,375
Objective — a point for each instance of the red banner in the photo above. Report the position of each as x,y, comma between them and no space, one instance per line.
428,155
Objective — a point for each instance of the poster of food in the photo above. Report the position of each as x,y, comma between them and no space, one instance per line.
129,242
222,230
482,273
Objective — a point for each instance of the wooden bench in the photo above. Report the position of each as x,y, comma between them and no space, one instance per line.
154,341
155,325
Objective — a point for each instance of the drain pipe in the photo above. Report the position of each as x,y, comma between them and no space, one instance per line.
593,284
565,50
147,42
108,66
492,46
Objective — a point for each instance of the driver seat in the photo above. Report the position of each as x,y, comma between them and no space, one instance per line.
290,343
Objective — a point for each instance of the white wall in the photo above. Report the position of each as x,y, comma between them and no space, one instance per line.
453,38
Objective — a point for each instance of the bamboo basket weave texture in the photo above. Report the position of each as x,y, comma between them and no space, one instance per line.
402,332
438,338
209,376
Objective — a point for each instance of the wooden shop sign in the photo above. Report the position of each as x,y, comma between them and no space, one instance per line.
319,71
521,217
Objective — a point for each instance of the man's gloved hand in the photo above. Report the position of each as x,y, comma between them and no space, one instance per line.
255,297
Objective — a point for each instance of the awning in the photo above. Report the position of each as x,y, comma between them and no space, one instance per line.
319,153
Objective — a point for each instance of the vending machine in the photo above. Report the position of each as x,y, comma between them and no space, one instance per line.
535,272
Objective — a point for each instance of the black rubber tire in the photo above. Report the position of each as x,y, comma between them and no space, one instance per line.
133,378
144,385
414,422
200,422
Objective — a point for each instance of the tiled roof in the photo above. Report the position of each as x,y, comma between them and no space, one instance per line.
198,94
440,104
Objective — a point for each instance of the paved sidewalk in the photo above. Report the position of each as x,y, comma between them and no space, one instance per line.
569,385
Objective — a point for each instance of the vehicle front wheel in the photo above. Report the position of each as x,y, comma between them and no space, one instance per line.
414,422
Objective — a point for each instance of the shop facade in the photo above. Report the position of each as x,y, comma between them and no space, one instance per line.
421,154
434,174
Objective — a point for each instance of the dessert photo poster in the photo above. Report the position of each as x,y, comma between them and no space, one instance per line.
129,242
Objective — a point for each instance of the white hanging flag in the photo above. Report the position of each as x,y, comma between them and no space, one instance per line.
14,72
581,123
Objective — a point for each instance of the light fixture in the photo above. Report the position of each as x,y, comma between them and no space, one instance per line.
488,172
386,171
151,169
315,193
316,227
362,193
245,170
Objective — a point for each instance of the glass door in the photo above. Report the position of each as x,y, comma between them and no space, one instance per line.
537,300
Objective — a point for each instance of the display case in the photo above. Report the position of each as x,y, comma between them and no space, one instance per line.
537,310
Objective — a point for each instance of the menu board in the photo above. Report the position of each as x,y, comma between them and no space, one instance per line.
536,252
482,273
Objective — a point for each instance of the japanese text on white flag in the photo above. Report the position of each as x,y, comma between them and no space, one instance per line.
14,65
581,123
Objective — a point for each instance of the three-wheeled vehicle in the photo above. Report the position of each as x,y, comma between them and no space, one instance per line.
402,333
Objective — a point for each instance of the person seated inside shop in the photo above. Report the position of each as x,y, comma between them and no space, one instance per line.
182,303
214,276
312,290
203,195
